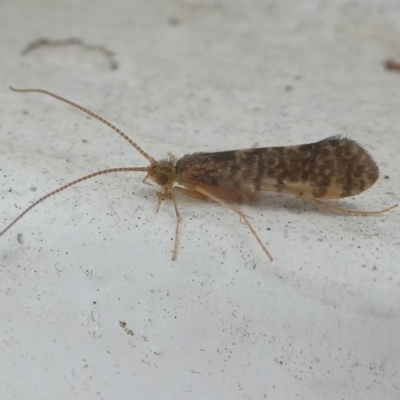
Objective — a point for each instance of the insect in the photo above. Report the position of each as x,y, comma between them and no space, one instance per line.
332,168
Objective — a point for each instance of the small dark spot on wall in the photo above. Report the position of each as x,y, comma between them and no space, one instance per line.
173,21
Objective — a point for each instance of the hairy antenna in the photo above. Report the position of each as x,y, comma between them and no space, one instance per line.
92,114
60,189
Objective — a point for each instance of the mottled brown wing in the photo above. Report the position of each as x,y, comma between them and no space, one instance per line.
332,168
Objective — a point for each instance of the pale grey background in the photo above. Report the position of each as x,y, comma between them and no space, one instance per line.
320,322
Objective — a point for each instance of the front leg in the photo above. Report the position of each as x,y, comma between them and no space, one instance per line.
162,196
187,192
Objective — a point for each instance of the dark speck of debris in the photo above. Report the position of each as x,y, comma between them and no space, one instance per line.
392,65
174,21
20,238
84,141
33,189
288,88
122,324
386,177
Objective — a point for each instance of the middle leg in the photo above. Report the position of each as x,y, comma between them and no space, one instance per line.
241,214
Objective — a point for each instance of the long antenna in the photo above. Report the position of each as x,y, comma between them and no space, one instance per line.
92,114
84,178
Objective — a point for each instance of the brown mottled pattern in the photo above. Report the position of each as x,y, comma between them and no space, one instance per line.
331,168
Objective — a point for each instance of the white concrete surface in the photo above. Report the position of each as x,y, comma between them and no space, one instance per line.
320,322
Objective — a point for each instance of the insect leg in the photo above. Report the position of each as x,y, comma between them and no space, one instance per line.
145,180
242,216
190,193
346,210
160,198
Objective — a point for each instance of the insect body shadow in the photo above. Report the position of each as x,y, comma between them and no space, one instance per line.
332,168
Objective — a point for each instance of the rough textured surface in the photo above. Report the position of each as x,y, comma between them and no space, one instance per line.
91,306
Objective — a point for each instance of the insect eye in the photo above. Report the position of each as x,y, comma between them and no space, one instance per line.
162,179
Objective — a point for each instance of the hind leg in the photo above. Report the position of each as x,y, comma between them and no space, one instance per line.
344,210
